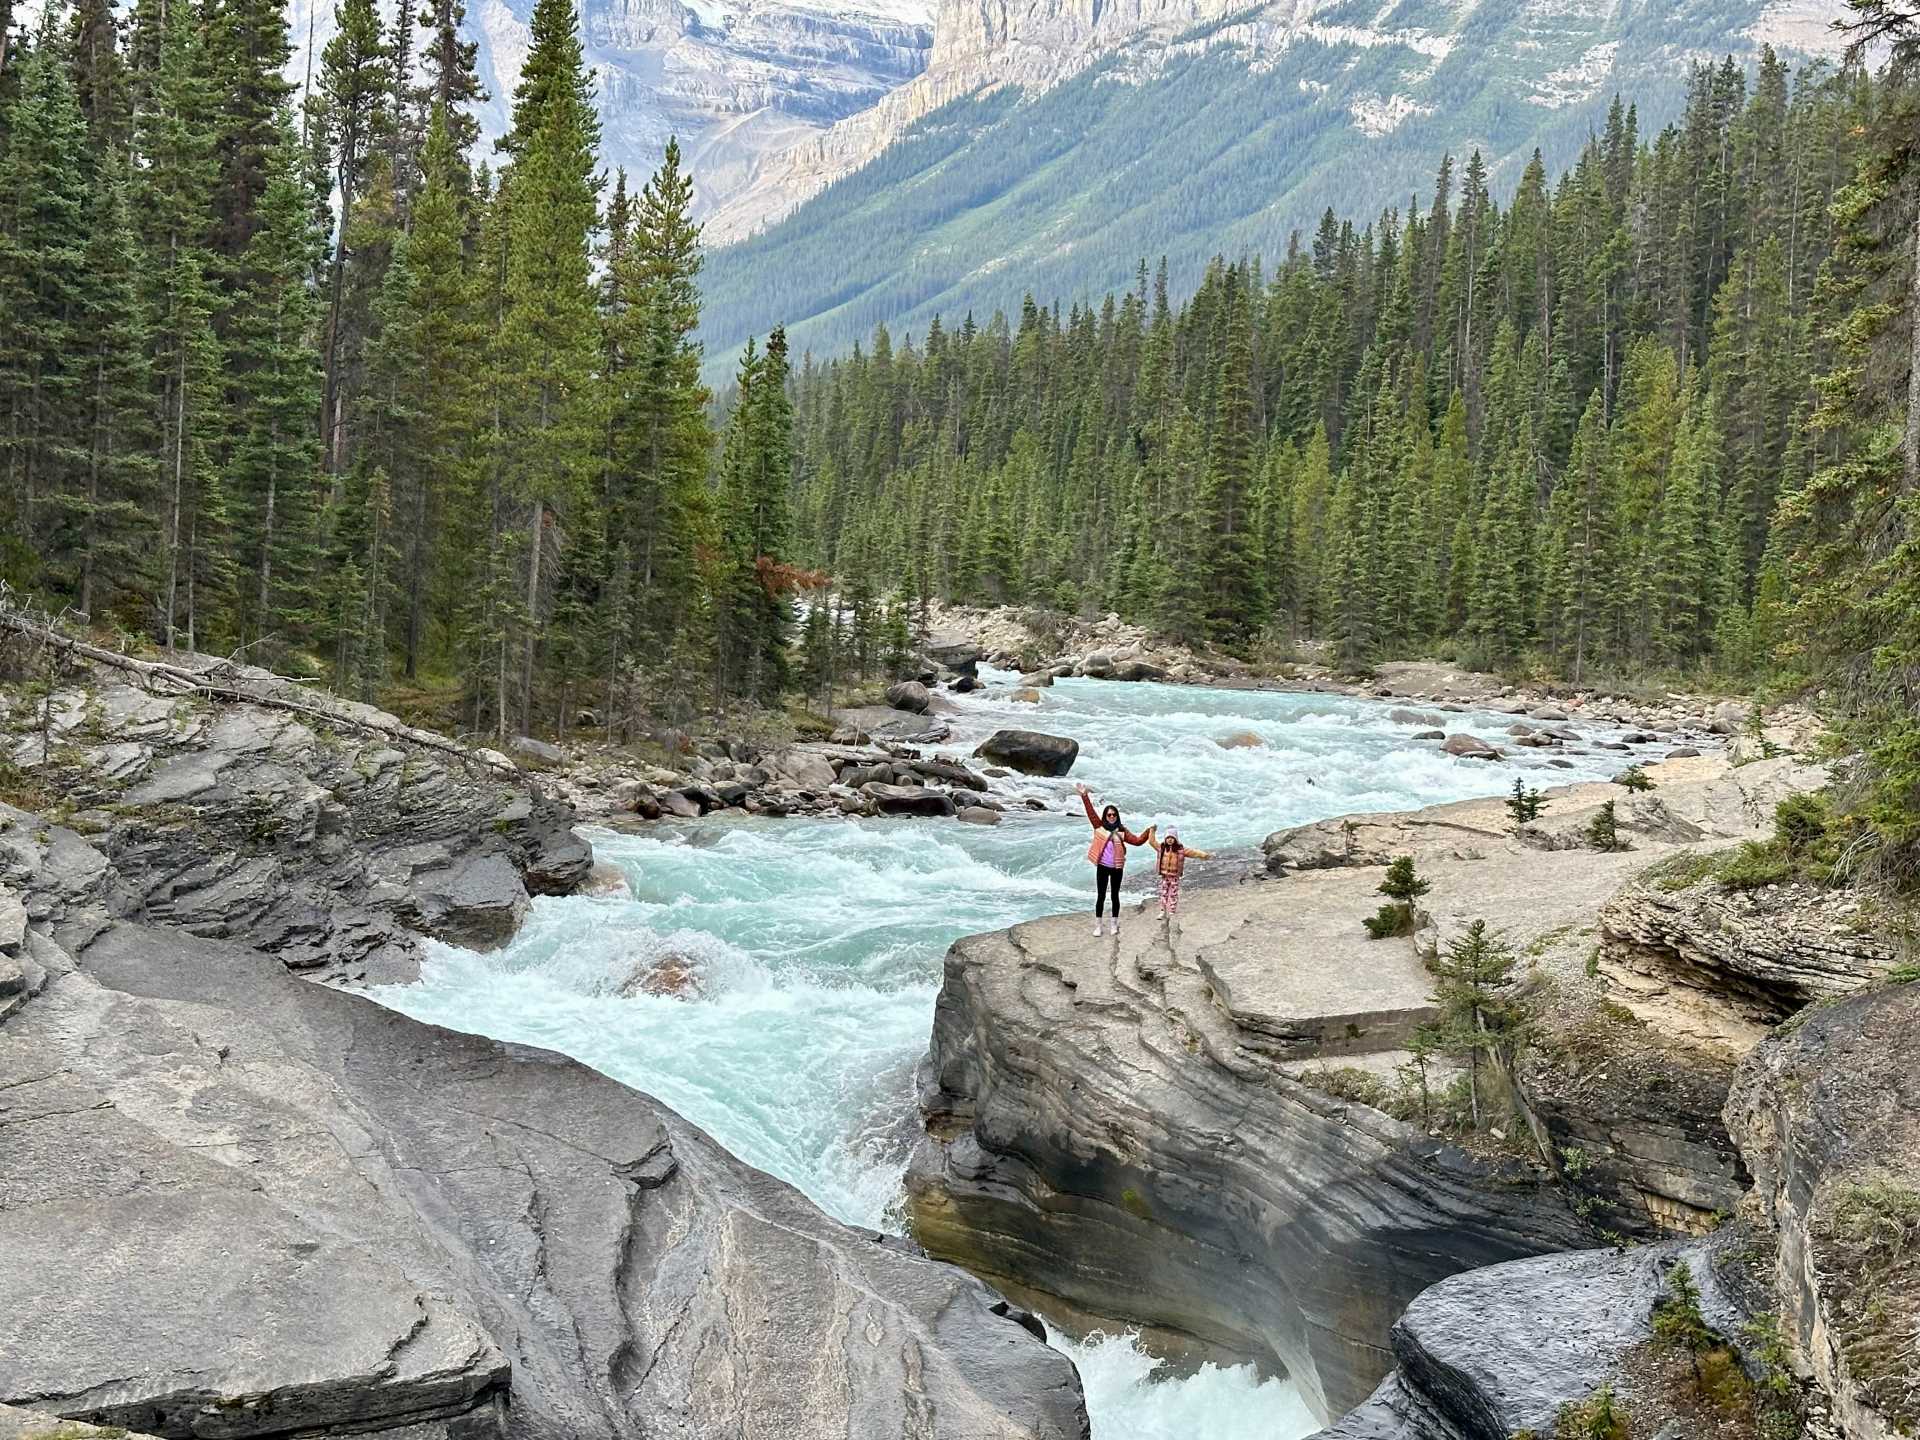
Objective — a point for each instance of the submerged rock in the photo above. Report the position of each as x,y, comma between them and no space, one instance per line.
1241,740
1030,751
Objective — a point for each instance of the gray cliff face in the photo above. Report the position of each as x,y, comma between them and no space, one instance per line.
1112,1142
1825,1111
235,1203
331,847
737,81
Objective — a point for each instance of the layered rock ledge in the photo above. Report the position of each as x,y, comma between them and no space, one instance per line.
1133,1131
325,832
1111,1140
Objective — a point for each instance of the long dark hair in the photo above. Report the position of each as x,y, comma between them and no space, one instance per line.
1113,824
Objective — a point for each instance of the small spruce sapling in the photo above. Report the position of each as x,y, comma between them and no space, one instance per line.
1634,778
1677,1320
1480,1019
1524,805
1603,831
1401,887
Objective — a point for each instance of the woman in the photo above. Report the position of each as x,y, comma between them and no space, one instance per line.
1108,852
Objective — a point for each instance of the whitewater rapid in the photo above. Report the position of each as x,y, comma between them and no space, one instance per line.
814,946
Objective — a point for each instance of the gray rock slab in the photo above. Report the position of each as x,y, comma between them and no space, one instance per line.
235,1203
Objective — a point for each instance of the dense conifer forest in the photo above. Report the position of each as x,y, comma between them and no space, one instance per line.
331,387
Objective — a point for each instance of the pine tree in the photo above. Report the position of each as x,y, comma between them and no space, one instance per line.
1234,575
349,117
43,240
1480,1019
113,506
1402,886
547,347
425,364
1524,805
175,204
273,474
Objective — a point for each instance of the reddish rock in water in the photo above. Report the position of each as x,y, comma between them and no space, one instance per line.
670,976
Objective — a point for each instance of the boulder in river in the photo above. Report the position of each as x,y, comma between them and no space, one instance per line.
1242,740
961,656
909,695
1037,679
980,815
1428,735
907,799
1470,747
1025,695
806,769
1030,751
680,804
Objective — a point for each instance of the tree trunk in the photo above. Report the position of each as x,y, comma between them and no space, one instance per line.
533,611
179,477
416,567
266,539
1912,438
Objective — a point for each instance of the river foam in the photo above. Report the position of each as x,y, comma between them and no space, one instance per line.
774,981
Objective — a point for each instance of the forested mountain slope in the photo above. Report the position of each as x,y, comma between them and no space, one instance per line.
1222,139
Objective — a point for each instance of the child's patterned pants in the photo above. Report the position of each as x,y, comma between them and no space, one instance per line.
1170,893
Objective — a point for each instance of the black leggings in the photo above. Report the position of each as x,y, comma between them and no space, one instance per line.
1107,877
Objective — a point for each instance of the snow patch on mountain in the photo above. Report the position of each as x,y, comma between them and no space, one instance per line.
1374,116
1576,82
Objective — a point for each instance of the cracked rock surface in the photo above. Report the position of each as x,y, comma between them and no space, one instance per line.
332,847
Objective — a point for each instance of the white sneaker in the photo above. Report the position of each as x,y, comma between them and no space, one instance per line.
1099,927
1116,924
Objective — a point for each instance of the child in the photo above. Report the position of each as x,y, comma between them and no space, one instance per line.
1173,859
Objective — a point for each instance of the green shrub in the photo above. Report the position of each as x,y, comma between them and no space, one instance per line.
1598,1417
1603,831
1679,872
1634,778
1524,805
1754,865
1401,887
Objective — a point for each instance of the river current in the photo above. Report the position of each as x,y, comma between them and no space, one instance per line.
814,946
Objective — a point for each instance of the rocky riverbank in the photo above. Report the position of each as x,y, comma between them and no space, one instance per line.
1183,1132
235,1202
880,758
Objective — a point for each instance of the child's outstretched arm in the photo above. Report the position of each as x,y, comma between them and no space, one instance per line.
1193,854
